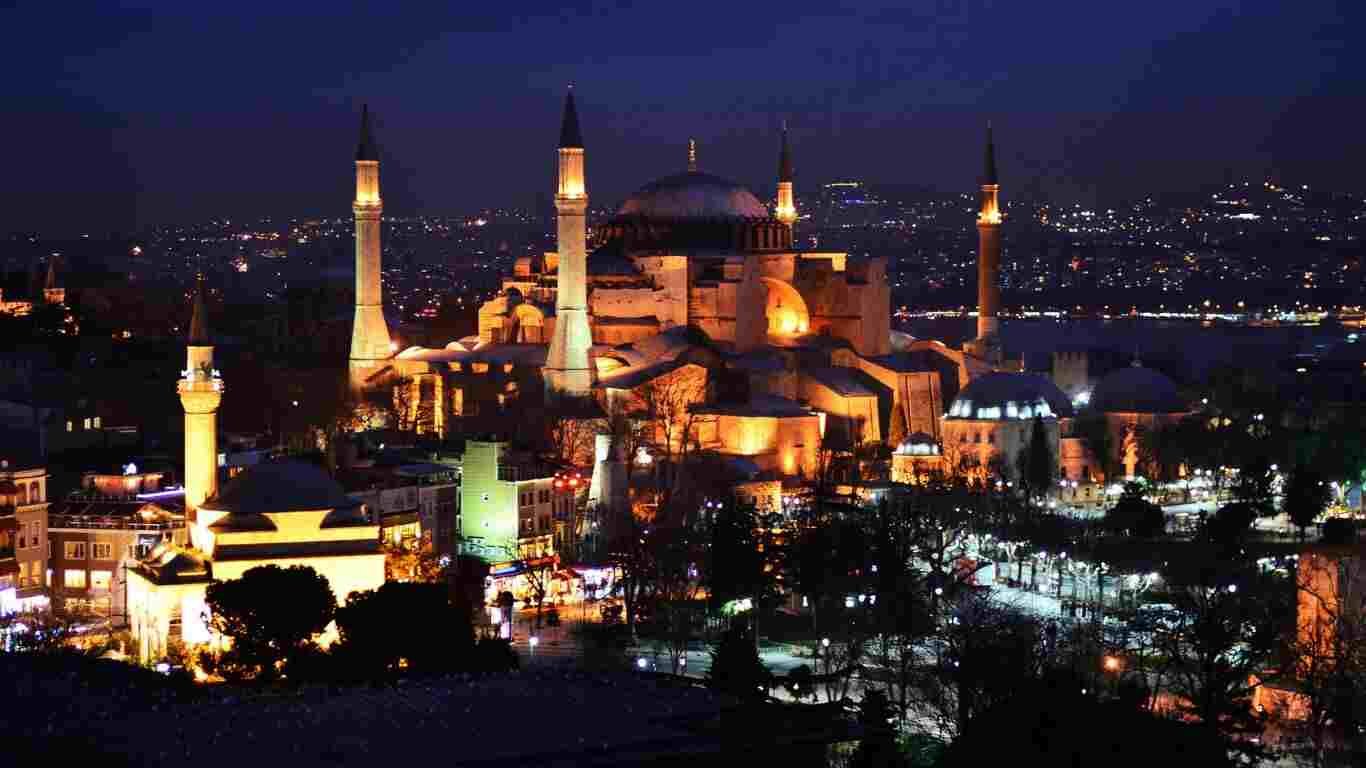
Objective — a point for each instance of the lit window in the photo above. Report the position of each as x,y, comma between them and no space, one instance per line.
70,426
74,550
87,423
101,579
97,422
104,551
73,579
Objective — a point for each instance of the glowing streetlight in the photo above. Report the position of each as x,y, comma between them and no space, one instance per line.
1112,664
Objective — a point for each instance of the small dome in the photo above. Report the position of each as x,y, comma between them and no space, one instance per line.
280,486
1000,396
1136,389
693,195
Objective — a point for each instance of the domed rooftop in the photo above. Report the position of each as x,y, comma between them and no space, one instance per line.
693,195
1136,389
280,486
1001,396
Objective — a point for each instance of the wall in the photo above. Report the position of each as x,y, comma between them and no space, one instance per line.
983,442
488,506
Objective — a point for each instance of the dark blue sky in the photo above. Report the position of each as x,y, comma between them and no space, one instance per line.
121,115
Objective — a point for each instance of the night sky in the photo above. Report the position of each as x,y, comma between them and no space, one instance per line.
124,115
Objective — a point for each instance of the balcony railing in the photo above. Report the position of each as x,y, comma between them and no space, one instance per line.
111,523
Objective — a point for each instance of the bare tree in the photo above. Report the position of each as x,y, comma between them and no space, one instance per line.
1226,631
1327,648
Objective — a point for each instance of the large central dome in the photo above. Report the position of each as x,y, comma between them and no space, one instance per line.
693,195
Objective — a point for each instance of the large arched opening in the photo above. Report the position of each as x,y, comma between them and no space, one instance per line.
785,309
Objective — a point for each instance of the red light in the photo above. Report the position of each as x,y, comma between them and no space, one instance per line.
573,481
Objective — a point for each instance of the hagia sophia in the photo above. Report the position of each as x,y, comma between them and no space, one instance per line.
695,276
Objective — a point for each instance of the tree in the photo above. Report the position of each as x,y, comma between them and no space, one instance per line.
986,654
1306,497
678,556
737,565
735,666
1037,463
270,614
1057,725
1164,450
897,430
1328,647
1094,432
1254,487
878,747
1229,525
404,625
1227,630
1134,515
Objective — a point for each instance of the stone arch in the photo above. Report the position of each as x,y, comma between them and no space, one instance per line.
785,309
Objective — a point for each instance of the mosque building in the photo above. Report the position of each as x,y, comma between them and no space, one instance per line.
282,513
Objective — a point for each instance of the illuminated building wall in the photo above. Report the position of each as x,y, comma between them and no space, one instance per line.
976,445
506,505
788,444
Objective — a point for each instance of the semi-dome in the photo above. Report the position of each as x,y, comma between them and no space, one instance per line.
1136,389
693,195
1001,396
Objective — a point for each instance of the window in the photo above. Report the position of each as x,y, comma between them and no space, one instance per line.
101,579
73,579
1086,472
103,551
35,493
74,550
991,438
70,426
97,422
87,422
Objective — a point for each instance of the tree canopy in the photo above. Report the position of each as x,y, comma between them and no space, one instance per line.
272,614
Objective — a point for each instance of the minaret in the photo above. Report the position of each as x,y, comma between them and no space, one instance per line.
987,345
692,155
52,293
369,333
567,369
786,211
200,389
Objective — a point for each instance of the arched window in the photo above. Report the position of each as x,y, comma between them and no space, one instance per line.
23,494
35,494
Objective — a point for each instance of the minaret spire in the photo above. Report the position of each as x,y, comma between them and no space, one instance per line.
989,169
199,318
786,209
365,146
784,158
570,136
369,331
568,372
692,155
